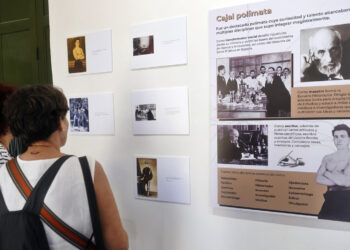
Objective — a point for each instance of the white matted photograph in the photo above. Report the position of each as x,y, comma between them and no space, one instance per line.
90,53
91,114
160,111
162,178
159,43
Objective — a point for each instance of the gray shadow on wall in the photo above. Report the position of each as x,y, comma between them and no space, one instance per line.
281,218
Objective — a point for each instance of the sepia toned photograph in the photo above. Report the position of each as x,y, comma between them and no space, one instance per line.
147,181
79,114
256,86
143,45
145,112
76,54
242,144
325,54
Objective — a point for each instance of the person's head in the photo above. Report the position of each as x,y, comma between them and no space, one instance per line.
35,113
5,92
327,50
232,74
221,70
270,74
252,73
286,71
241,74
234,135
262,69
341,136
144,42
77,43
279,70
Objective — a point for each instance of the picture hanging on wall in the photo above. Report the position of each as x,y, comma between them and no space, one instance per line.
159,43
90,53
162,178
76,54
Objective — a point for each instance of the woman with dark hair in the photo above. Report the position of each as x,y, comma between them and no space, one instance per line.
37,115
5,134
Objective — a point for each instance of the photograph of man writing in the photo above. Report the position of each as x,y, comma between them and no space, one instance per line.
334,172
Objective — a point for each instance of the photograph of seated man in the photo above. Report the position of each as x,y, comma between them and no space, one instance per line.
242,144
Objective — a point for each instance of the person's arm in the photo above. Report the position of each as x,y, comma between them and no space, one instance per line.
75,54
321,178
114,235
81,54
339,178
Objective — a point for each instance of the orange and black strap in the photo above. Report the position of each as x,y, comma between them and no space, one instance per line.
46,214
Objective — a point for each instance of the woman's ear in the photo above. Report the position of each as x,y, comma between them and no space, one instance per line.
62,126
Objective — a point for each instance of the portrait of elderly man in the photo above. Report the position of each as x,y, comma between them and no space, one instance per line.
230,148
334,172
326,56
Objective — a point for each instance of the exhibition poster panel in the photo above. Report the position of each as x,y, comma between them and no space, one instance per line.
280,103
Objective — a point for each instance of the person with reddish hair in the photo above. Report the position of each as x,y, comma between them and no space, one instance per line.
5,133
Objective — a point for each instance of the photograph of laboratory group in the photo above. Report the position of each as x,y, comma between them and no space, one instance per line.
256,86
288,145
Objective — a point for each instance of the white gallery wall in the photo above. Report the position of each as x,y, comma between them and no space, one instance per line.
155,225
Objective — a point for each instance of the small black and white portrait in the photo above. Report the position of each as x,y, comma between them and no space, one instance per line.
325,53
79,114
143,45
243,144
145,112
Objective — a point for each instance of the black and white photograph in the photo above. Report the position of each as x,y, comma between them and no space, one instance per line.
256,86
143,45
325,54
334,172
79,114
242,144
147,179
145,112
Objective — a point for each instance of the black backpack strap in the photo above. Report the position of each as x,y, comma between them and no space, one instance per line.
3,207
35,201
47,215
90,191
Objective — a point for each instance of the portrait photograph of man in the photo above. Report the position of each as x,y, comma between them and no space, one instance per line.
147,181
334,172
325,54
243,144
76,54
